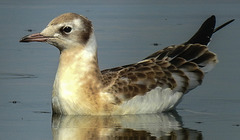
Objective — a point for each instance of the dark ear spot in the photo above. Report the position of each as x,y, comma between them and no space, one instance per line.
85,34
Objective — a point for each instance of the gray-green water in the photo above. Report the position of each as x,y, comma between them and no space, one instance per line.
126,31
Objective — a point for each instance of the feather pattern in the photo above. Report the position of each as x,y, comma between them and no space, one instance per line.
176,67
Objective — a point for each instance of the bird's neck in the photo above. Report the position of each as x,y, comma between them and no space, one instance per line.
81,61
78,76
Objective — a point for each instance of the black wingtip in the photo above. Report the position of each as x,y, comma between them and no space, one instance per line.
204,34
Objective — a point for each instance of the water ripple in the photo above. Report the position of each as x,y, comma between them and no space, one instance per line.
16,76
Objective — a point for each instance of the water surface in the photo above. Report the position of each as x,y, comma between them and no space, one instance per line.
126,32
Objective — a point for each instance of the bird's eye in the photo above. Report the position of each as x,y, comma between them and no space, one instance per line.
67,29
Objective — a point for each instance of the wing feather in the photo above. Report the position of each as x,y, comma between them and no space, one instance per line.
180,68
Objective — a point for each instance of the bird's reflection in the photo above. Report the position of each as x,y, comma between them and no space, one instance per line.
128,127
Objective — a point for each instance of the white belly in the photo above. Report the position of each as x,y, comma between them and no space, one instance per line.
157,100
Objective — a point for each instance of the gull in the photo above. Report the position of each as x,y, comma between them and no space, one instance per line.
155,84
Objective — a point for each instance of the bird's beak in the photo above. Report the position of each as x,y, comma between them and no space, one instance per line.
34,38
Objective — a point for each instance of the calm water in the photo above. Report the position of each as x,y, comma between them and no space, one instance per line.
126,32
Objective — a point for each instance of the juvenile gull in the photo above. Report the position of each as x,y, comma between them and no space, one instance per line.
155,84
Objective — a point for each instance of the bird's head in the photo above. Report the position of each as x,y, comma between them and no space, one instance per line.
65,31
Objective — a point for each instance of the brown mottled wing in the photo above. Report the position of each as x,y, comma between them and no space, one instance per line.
180,68
139,78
